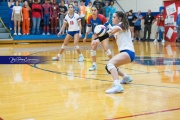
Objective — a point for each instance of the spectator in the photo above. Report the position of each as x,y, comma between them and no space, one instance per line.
36,17
160,23
54,17
107,10
98,3
30,15
137,25
20,3
17,17
10,5
88,10
82,16
26,19
76,8
178,27
62,13
100,10
46,16
148,20
131,19
112,11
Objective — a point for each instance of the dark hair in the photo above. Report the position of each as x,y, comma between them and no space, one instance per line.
71,5
130,11
125,23
94,6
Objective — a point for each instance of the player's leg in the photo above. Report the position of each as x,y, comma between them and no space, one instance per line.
107,51
76,40
118,60
66,41
93,55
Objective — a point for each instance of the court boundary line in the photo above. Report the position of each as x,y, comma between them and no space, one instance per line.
142,114
65,73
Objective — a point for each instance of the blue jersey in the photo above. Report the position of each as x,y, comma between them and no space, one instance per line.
100,20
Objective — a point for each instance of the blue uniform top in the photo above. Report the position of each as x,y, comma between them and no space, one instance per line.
100,20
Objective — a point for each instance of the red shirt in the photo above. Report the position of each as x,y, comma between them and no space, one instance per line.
161,19
36,10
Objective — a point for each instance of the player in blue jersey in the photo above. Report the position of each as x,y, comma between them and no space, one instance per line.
93,20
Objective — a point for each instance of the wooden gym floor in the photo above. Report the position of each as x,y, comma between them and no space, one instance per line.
66,90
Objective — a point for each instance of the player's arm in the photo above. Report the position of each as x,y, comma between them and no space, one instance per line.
105,22
80,26
64,25
114,30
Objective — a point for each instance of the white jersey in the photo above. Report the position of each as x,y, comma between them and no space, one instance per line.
72,22
124,40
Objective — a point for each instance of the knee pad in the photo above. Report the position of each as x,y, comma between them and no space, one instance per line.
93,53
77,47
109,67
63,46
108,52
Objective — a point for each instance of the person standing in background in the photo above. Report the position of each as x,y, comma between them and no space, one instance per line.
112,11
54,17
62,13
26,19
107,10
46,15
36,17
148,21
137,25
20,3
76,7
82,16
10,5
160,23
131,19
17,17
178,27
88,10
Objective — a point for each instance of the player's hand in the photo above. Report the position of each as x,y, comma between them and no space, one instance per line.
115,36
95,42
59,33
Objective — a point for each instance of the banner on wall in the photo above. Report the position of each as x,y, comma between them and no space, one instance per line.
172,9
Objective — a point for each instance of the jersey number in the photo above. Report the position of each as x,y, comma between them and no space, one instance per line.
71,22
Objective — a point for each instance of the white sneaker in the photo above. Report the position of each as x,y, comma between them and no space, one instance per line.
15,34
115,89
48,33
43,34
81,59
155,40
163,41
92,68
126,80
55,58
19,34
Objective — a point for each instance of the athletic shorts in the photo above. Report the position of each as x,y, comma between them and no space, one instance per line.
137,27
72,33
130,53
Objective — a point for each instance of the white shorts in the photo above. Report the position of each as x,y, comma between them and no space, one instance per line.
160,28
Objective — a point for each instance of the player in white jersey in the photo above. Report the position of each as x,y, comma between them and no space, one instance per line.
122,35
74,30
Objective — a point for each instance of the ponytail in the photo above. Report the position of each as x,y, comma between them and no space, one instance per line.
125,23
